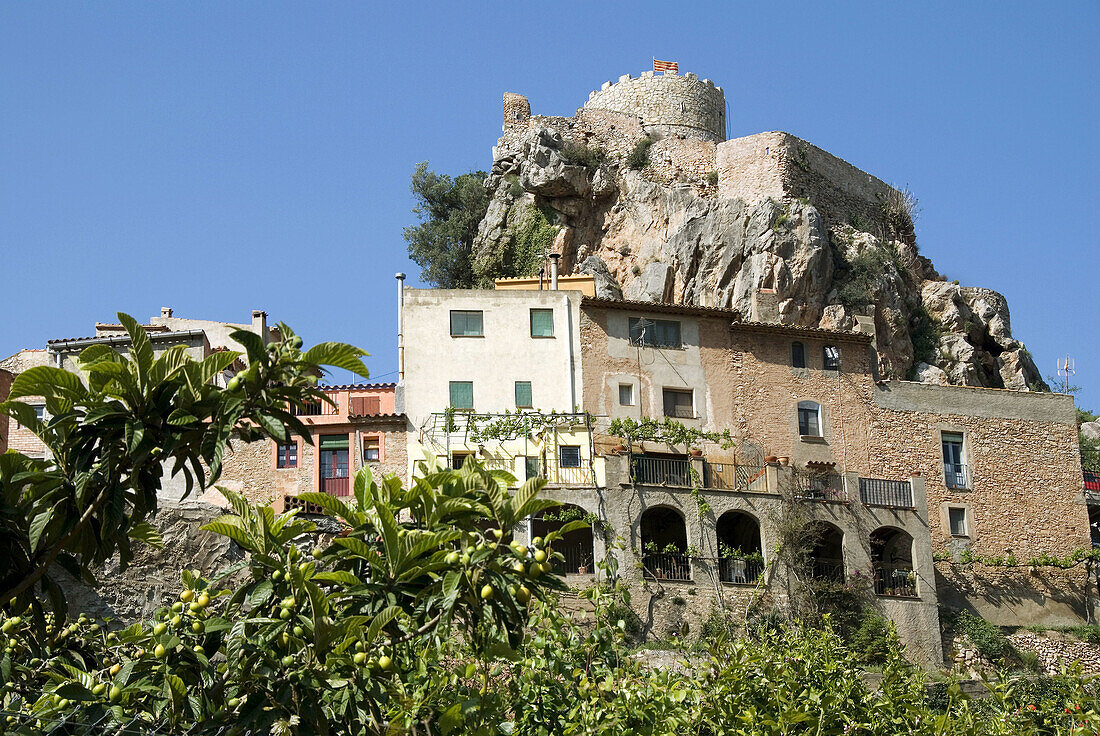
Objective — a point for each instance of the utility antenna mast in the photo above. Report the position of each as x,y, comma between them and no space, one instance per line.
1067,367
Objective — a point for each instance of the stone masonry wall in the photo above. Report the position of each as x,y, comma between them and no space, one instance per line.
5,386
778,165
18,437
667,103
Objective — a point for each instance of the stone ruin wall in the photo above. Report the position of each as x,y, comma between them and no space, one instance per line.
778,165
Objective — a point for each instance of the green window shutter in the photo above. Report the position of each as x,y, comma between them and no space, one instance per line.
334,442
523,394
466,323
462,394
542,323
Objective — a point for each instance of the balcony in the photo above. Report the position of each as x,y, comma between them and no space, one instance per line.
956,475
895,581
315,409
731,477
890,493
828,569
566,475
821,487
667,566
660,471
739,571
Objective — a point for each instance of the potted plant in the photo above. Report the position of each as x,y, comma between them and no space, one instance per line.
695,452
771,459
736,567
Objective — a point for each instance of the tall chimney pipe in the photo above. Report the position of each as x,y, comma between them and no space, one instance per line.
400,326
554,271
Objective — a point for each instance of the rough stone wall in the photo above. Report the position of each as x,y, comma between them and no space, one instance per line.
667,103
1057,652
779,165
152,579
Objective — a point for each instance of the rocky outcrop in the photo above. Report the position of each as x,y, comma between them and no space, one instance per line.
648,235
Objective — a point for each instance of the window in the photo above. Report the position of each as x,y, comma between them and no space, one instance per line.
334,464
466,323
462,394
678,403
830,358
531,466
655,333
809,419
569,456
956,519
954,470
40,412
798,355
371,448
458,459
542,323
523,395
626,394
286,456
364,406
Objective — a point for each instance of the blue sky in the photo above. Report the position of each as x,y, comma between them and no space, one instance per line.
219,157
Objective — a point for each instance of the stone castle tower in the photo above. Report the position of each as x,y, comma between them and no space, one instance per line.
663,104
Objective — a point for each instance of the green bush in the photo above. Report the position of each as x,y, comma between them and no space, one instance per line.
988,639
639,157
858,279
579,154
874,640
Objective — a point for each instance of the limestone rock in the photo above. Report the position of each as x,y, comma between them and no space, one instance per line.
606,285
1091,430
662,234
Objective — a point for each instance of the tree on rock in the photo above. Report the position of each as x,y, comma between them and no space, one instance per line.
449,211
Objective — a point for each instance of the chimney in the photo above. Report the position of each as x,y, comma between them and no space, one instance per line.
400,326
259,323
765,306
554,271
165,312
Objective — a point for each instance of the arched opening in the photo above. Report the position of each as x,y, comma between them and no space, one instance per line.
740,554
664,544
575,546
892,562
827,556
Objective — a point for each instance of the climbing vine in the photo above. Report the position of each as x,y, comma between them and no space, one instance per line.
967,557
511,426
667,431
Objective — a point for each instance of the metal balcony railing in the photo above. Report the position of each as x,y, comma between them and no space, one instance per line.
661,471
340,486
956,475
744,572
895,580
566,475
730,477
577,555
316,409
828,570
880,492
827,487
667,566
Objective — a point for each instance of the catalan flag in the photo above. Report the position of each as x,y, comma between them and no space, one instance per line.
666,66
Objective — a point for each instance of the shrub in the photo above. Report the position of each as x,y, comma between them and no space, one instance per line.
988,639
873,640
639,157
578,154
712,178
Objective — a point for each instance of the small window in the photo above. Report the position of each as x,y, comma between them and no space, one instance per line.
956,518
954,469
462,394
655,333
809,419
569,456
626,394
830,358
371,448
286,456
798,355
523,395
678,403
531,467
40,412
458,459
466,323
542,323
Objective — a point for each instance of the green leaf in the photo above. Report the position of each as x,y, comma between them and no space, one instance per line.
46,380
338,355
329,503
388,614
143,531
338,576
236,533
140,347
38,525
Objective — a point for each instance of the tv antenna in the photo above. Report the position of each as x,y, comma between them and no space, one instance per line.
1067,367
